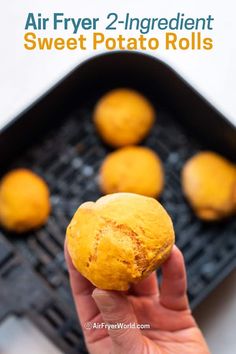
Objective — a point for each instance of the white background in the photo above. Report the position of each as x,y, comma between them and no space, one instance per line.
24,75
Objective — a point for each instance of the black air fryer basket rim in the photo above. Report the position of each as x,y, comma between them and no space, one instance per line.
210,255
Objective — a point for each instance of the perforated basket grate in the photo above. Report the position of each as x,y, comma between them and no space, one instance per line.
69,159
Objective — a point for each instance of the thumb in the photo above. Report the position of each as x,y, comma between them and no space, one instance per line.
117,310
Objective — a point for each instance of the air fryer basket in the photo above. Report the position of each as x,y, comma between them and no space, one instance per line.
56,138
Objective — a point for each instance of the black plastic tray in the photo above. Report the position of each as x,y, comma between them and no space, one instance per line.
56,138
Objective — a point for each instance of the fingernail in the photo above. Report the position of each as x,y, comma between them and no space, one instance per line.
104,298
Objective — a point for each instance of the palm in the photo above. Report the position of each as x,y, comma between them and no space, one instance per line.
172,330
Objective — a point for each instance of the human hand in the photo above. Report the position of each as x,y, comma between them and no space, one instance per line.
173,329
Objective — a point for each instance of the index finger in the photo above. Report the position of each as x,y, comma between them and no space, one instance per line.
146,287
173,294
